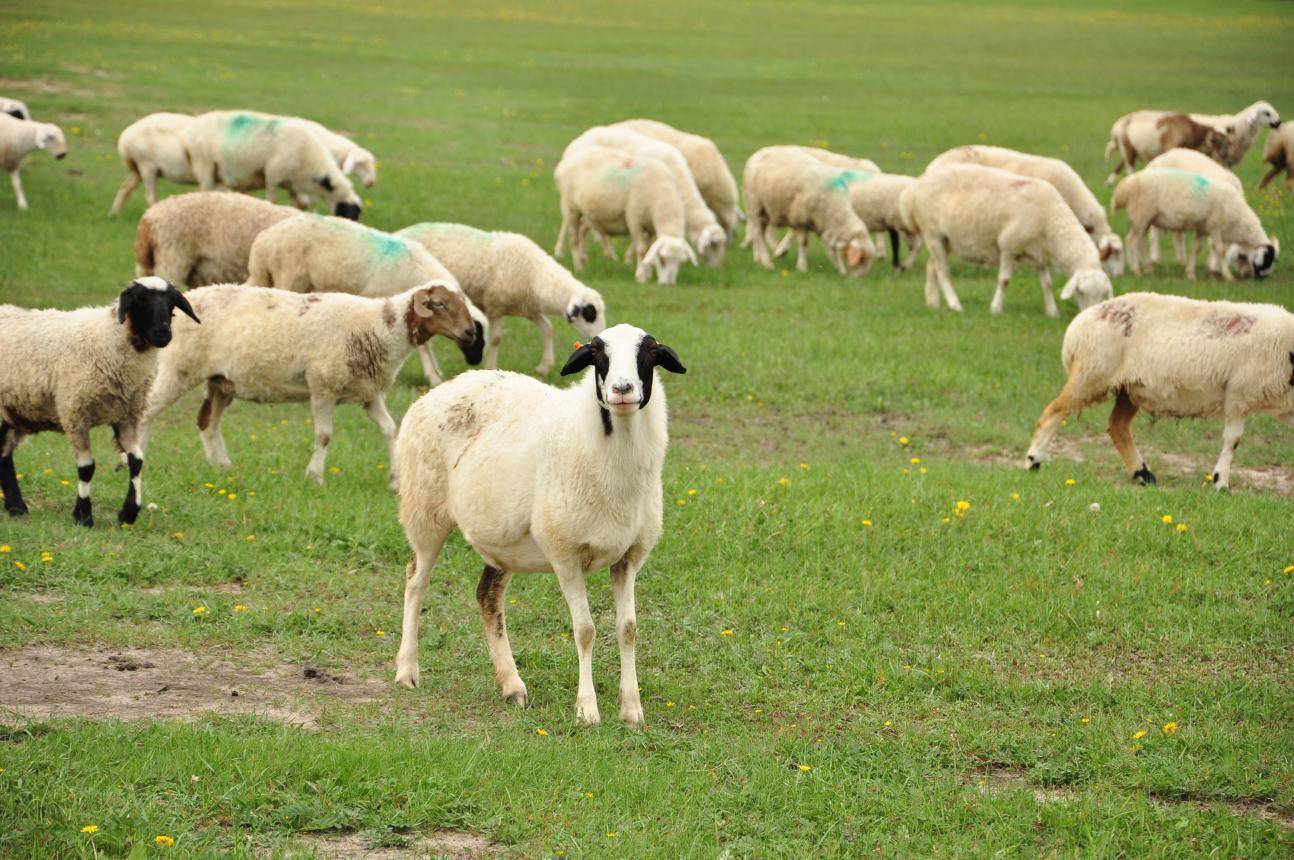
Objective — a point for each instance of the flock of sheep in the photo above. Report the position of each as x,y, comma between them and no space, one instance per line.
285,305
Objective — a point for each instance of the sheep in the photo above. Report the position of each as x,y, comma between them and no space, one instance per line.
506,274
1080,199
826,156
243,150
1241,128
1180,200
783,187
14,108
1140,135
1194,162
616,193
875,198
352,158
988,215
70,371
713,178
19,137
703,229
316,253
204,237
1177,357
541,479
150,148
1279,153
274,346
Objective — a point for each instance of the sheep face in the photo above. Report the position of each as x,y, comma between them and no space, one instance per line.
437,309
1110,248
1267,114
624,359
858,255
337,188
712,244
148,304
1088,287
1259,260
360,164
587,314
50,139
666,254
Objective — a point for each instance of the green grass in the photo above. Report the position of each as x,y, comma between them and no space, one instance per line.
969,686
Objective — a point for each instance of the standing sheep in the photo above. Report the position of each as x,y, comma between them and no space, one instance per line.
18,137
150,148
319,254
204,237
1279,153
1192,162
1063,178
714,180
506,274
541,479
70,371
986,215
1177,357
1141,135
14,108
271,346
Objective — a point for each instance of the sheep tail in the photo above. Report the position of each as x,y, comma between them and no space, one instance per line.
1119,199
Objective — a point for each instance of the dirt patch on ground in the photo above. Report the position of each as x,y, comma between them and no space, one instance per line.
454,844
41,682
43,598
1240,808
236,587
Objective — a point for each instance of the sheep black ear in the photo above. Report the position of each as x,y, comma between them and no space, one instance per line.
580,359
667,359
325,183
179,302
589,312
125,302
15,113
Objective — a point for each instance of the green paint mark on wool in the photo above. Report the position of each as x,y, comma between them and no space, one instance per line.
621,174
387,246
1199,183
845,178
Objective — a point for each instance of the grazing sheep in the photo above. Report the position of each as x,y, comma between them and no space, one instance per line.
18,137
986,215
1081,200
1176,357
541,479
150,148
1193,162
319,254
875,198
714,180
1140,135
70,371
1180,200
204,237
272,346
616,193
703,229
243,150
352,158
826,156
785,188
1279,153
14,108
506,274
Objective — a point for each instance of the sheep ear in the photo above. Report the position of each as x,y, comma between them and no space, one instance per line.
422,304
348,163
180,303
572,311
325,183
1107,248
653,254
1071,287
666,359
1275,243
691,255
580,359
125,302
853,254
589,313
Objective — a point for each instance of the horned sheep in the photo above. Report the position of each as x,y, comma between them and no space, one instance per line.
18,137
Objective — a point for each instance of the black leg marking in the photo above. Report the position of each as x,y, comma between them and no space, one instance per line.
606,420
1143,476
894,246
489,597
82,514
130,508
13,502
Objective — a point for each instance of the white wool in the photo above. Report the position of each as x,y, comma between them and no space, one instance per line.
349,155
1193,162
713,178
1137,134
14,108
150,148
18,138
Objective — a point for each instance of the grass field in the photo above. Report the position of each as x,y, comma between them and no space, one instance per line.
833,661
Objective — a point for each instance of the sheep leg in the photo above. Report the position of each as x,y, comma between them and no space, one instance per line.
322,408
429,365
784,245
13,503
802,250
1189,254
82,514
932,285
1231,433
914,246
1120,430
489,598
1289,181
129,185
415,589
149,175
1005,269
1048,297
571,580
760,243
1180,247
128,441
16,181
1132,242
562,232
547,359
939,257
837,256
492,349
376,410
1065,404
1271,174
205,172
219,396
623,573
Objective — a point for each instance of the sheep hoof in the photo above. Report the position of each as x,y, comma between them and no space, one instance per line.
631,710
1143,476
1032,463
1219,484
587,713
127,515
407,677
542,370
518,698
16,511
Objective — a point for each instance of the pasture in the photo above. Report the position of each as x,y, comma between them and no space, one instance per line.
837,656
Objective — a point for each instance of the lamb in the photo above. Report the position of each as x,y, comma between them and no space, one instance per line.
1140,135
243,150
541,479
506,274
150,148
318,254
273,346
787,188
1177,357
1180,200
988,215
1080,199
826,156
703,229
1193,162
1279,153
18,137
204,237
352,158
616,193
714,180
14,108
70,371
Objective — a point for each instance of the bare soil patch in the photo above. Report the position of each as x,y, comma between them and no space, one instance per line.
454,844
235,587
45,682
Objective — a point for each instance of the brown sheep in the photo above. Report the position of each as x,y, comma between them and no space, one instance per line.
1179,130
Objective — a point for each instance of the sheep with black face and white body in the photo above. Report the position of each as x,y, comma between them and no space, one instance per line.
70,371
1176,357
18,137
541,479
14,108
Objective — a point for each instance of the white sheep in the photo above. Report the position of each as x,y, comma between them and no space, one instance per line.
1142,134
826,156
616,193
150,148
541,479
875,198
1060,175
703,229
204,237
1192,161
785,188
506,274
244,150
18,137
319,254
1175,357
70,371
14,108
1279,153
352,158
986,215
713,178
1180,200
273,346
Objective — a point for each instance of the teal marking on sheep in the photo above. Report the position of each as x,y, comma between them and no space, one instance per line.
842,180
1199,182
387,247
621,175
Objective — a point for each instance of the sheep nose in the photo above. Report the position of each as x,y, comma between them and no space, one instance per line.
622,388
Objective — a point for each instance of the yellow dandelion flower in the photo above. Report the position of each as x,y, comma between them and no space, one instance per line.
784,481
1181,527
1139,735
669,704
379,632
251,493
90,828
1069,482
888,723
232,496
163,841
209,485
240,607
905,471
7,548
727,632
691,492
750,397
903,440
963,506
178,535
250,538
20,565
222,491
1169,728
806,768
66,483
1015,497
543,733
1085,720
1289,569
947,519
613,835
804,467
381,465
682,503
915,460
199,610
1166,519
44,556
922,470
867,523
